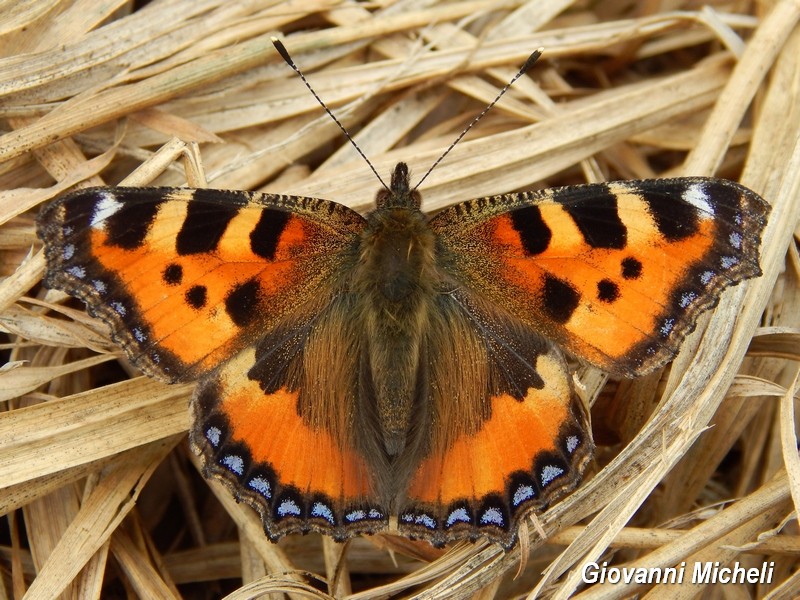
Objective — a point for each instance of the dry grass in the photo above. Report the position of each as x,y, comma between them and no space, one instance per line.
696,463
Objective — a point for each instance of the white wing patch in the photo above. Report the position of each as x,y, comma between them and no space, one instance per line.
107,205
697,196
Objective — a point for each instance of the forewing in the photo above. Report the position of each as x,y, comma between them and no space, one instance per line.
187,278
615,273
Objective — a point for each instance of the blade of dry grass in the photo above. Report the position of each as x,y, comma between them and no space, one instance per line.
17,15
21,379
16,496
651,538
789,442
80,332
778,342
16,202
22,280
768,40
272,584
788,590
137,566
46,438
99,516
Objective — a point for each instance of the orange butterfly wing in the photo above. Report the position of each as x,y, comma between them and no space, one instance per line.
276,425
187,278
511,434
615,273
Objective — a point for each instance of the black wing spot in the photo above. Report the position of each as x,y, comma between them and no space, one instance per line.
533,232
631,268
173,274
674,220
197,296
607,291
128,227
242,302
267,233
595,212
204,225
560,298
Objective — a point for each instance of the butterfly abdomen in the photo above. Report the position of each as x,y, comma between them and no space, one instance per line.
395,284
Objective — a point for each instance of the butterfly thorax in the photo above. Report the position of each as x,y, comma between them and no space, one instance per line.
396,281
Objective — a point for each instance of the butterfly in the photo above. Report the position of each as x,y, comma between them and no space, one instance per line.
359,370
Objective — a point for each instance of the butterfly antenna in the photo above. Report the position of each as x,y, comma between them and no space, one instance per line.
285,55
525,68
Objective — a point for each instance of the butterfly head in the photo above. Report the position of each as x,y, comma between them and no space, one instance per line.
399,194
